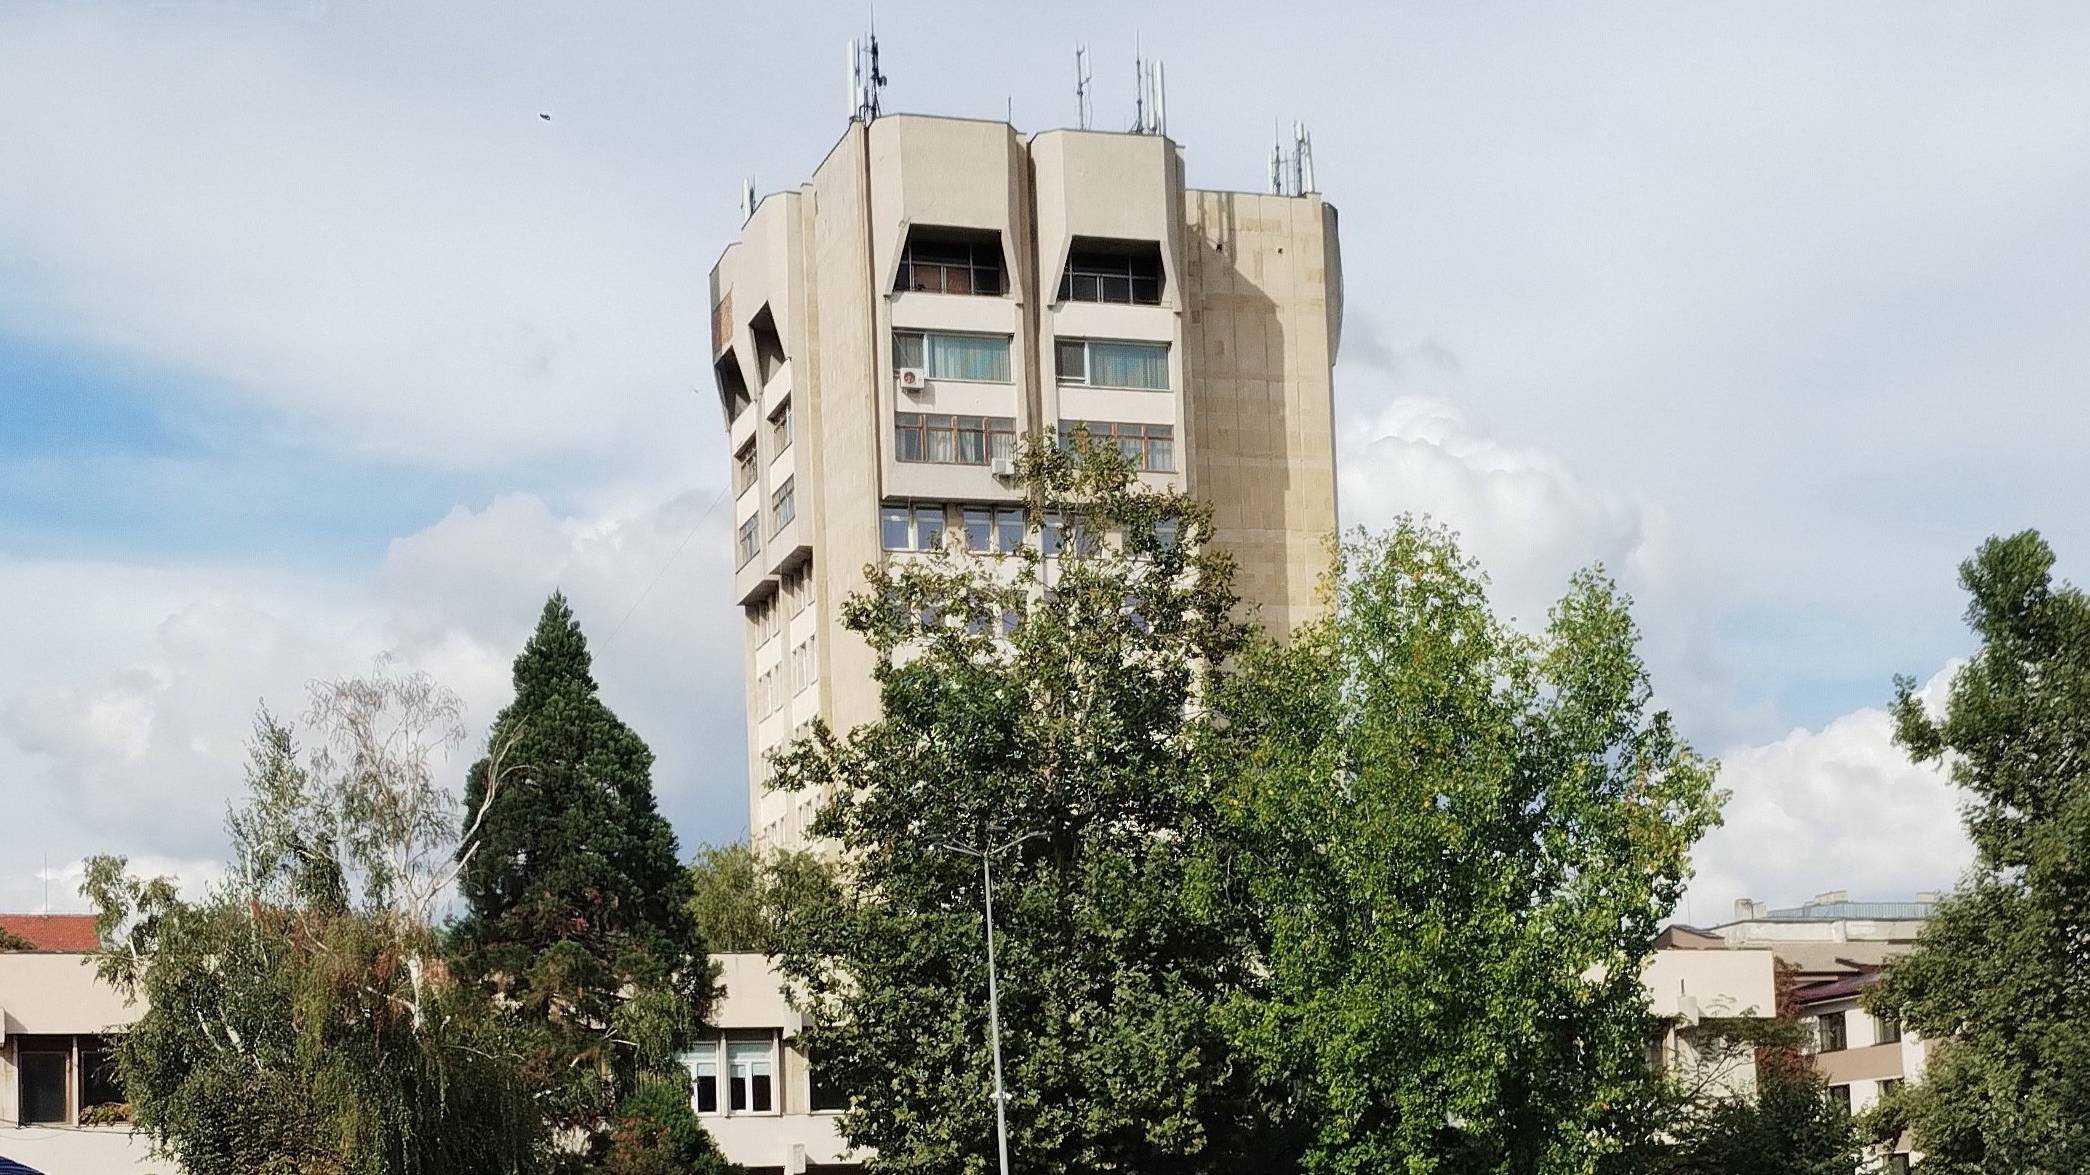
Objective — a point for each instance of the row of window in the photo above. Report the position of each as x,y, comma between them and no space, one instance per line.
777,685
745,1081
968,261
942,439
1151,447
794,595
984,530
1832,1034
1100,363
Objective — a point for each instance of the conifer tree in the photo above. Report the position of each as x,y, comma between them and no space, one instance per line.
577,917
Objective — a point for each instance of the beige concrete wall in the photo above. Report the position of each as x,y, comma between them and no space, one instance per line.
58,994
1261,406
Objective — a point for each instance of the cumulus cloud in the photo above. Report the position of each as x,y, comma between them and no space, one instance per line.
1839,807
131,737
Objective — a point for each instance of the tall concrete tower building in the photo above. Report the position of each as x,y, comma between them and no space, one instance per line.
883,334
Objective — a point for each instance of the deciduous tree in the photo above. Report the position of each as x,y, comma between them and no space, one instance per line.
2000,981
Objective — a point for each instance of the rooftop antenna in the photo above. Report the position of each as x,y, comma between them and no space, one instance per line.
1305,150
1139,100
1276,161
1160,97
747,199
865,79
1082,78
1298,159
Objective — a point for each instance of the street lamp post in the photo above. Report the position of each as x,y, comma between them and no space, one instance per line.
986,853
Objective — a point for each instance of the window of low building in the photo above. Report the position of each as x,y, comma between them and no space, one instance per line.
702,1062
1885,1030
1841,1095
101,1084
751,1072
977,358
1829,1032
41,1080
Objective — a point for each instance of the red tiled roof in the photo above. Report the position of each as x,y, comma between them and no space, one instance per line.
58,933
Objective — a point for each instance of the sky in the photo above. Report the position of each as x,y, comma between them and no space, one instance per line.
318,343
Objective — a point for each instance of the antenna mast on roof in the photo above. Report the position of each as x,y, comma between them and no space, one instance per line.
1150,106
747,199
1082,78
865,80
1292,172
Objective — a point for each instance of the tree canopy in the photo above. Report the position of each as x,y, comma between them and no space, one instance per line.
301,1017
1463,841
2000,981
576,914
1048,709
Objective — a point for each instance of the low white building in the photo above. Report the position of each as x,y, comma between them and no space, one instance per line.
753,1089
1692,989
56,1017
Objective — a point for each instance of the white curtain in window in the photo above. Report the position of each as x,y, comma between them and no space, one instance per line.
1128,365
979,357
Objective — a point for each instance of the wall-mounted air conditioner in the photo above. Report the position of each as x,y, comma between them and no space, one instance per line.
1004,467
910,379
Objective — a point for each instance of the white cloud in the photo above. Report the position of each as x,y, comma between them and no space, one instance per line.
130,737
1836,808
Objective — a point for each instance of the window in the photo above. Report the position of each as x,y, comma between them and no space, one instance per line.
1056,534
1841,1095
981,358
751,1065
805,667
1151,447
782,507
42,1086
950,261
750,543
1898,1163
100,1082
1112,271
915,527
702,1062
828,1094
732,386
1008,528
780,428
744,468
1889,1086
1102,364
769,347
1885,1030
1829,1034
939,439
979,528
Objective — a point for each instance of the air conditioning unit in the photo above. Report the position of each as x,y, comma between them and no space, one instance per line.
910,379
1004,467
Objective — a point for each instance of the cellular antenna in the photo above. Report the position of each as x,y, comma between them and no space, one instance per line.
1082,78
866,81
1139,98
747,199
1292,172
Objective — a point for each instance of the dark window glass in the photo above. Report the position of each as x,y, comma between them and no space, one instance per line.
42,1087
1072,359
1885,1030
761,1084
1125,272
950,261
1841,1094
707,1093
1829,1033
827,1091
100,1082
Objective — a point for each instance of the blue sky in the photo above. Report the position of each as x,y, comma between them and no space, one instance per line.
317,342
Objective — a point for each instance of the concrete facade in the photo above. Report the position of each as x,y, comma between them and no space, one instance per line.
786,1131
1215,345
54,1016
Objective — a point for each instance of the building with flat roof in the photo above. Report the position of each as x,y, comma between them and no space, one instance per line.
883,334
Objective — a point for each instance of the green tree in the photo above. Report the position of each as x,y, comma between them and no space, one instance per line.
301,1017
1464,841
1788,1125
738,896
2000,981
1054,704
577,917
